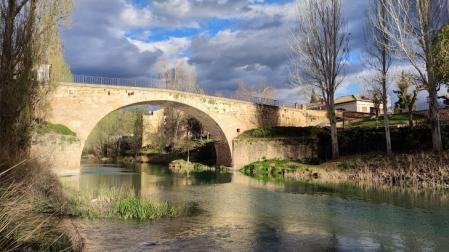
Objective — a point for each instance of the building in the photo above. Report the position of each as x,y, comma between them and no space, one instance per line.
350,103
354,103
151,126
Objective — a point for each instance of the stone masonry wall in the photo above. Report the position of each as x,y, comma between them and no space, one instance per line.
249,150
61,152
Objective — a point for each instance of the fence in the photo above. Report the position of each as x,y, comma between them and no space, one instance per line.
147,83
114,81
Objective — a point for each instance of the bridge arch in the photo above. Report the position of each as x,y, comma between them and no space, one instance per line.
81,106
222,144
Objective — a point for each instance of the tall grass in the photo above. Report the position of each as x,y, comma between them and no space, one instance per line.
419,170
118,203
138,209
415,170
32,207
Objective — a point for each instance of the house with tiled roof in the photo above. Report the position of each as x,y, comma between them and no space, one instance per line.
350,103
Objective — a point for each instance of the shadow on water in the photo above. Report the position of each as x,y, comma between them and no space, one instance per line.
394,195
211,177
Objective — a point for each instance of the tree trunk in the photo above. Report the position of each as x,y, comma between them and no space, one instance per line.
410,117
385,106
7,109
435,120
334,132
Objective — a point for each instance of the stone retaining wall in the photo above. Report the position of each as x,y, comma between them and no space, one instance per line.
249,150
61,152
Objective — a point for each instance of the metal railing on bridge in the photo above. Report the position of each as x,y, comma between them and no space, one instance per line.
85,79
150,83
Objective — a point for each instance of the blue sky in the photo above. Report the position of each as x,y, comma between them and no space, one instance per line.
227,42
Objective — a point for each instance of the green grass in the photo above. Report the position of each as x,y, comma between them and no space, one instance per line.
48,127
273,168
186,168
119,203
398,119
149,151
132,208
281,132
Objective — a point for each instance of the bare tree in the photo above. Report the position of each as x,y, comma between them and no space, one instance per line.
378,48
321,47
247,93
181,77
374,93
413,25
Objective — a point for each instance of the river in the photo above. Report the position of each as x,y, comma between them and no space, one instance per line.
239,213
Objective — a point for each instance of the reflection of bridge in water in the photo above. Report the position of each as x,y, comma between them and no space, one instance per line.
81,106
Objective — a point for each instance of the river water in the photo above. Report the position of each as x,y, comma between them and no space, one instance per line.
239,213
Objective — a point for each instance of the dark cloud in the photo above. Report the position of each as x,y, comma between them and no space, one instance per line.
94,43
255,51
258,51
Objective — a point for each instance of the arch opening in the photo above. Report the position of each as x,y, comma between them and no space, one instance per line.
221,144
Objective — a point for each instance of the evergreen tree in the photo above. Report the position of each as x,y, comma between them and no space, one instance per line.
314,97
441,55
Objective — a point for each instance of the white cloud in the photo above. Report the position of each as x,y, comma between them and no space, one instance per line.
171,48
254,51
133,17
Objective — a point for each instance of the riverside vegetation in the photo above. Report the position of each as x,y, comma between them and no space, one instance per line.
413,165
186,168
37,210
422,170
121,203
33,213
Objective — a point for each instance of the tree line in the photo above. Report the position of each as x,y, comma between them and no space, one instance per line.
401,30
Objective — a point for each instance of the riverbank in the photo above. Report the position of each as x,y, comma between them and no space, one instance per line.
33,211
417,170
38,210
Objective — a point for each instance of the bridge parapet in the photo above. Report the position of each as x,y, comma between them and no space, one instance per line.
151,83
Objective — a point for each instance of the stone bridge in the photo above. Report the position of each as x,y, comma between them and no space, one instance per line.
81,106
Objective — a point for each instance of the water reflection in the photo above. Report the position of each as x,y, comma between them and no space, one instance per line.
242,214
